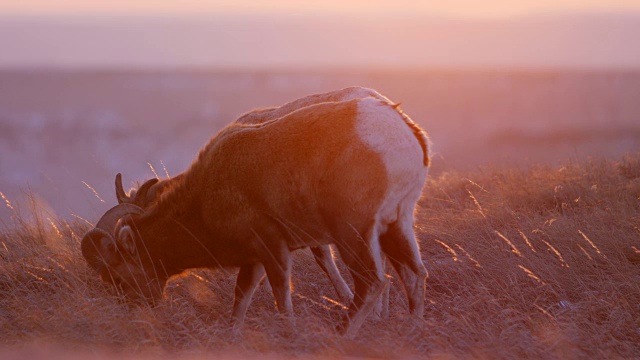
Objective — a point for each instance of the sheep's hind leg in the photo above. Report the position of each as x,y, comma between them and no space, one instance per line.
400,246
362,256
381,310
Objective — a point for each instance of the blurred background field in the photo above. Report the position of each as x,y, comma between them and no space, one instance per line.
64,134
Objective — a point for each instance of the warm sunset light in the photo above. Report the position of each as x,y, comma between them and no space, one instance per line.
266,179
464,8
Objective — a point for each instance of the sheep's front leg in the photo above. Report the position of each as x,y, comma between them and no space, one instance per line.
248,279
278,268
324,258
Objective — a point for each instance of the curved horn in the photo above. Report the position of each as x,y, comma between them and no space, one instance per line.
141,194
108,221
120,194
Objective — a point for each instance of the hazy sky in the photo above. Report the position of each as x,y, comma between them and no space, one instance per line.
492,33
466,8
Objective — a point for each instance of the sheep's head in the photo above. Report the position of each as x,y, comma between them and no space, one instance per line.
114,250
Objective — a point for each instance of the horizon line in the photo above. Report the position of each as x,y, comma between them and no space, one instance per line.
369,68
321,14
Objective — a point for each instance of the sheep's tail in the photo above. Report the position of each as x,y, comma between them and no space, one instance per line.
418,132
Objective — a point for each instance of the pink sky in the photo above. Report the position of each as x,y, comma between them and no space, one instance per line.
463,8
584,34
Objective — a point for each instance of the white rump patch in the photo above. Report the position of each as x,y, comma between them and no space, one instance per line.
384,130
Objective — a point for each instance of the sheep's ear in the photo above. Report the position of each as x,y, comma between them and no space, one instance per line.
126,240
99,249
132,193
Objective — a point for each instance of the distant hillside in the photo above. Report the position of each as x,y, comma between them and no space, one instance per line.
63,131
543,41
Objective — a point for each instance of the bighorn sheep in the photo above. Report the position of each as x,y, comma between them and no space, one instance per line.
348,173
322,254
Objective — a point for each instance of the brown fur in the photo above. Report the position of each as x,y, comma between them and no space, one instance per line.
322,254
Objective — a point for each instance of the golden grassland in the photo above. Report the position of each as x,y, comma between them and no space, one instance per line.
524,263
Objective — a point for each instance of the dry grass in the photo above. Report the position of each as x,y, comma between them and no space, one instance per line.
536,263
